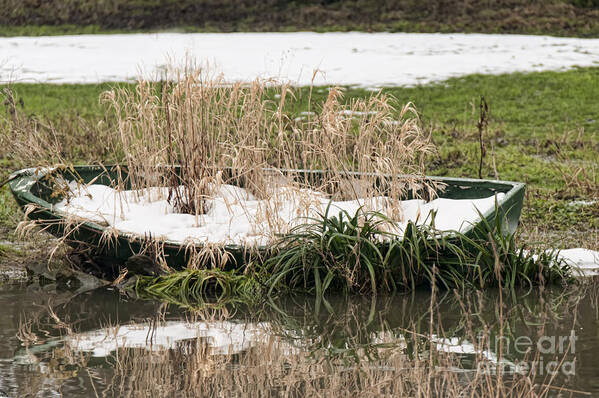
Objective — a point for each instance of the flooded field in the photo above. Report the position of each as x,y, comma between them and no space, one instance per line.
106,343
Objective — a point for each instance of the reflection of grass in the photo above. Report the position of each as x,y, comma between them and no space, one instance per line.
320,346
341,326
201,287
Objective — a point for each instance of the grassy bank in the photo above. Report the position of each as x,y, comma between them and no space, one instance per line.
553,17
543,130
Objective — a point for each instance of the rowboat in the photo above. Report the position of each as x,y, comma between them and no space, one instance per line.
33,192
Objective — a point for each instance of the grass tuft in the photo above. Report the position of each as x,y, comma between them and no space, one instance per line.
357,254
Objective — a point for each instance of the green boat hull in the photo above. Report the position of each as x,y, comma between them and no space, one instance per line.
31,191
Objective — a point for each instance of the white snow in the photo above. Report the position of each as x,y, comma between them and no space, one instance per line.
365,59
581,203
235,216
584,261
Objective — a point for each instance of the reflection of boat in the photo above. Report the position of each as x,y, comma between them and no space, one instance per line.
221,336
230,338
33,188
383,335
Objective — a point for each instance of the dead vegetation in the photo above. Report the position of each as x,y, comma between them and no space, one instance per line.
196,131
243,134
37,140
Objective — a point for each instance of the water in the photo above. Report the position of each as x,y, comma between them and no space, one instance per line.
105,343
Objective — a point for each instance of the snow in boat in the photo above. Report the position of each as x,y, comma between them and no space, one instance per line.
235,216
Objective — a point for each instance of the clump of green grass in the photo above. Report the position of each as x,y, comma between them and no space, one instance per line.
360,254
331,252
357,254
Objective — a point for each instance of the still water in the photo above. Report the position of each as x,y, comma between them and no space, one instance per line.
106,343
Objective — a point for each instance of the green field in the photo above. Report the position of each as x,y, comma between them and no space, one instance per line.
543,130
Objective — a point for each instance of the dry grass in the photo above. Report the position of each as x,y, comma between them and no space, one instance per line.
30,140
222,132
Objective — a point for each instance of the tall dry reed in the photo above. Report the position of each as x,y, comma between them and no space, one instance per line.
245,134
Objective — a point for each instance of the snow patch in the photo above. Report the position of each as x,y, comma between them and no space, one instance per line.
581,203
584,261
360,59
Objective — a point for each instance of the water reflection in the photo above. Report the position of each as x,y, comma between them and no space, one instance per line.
105,343
222,337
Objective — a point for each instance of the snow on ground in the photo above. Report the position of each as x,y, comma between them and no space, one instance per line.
365,59
582,203
235,216
584,261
